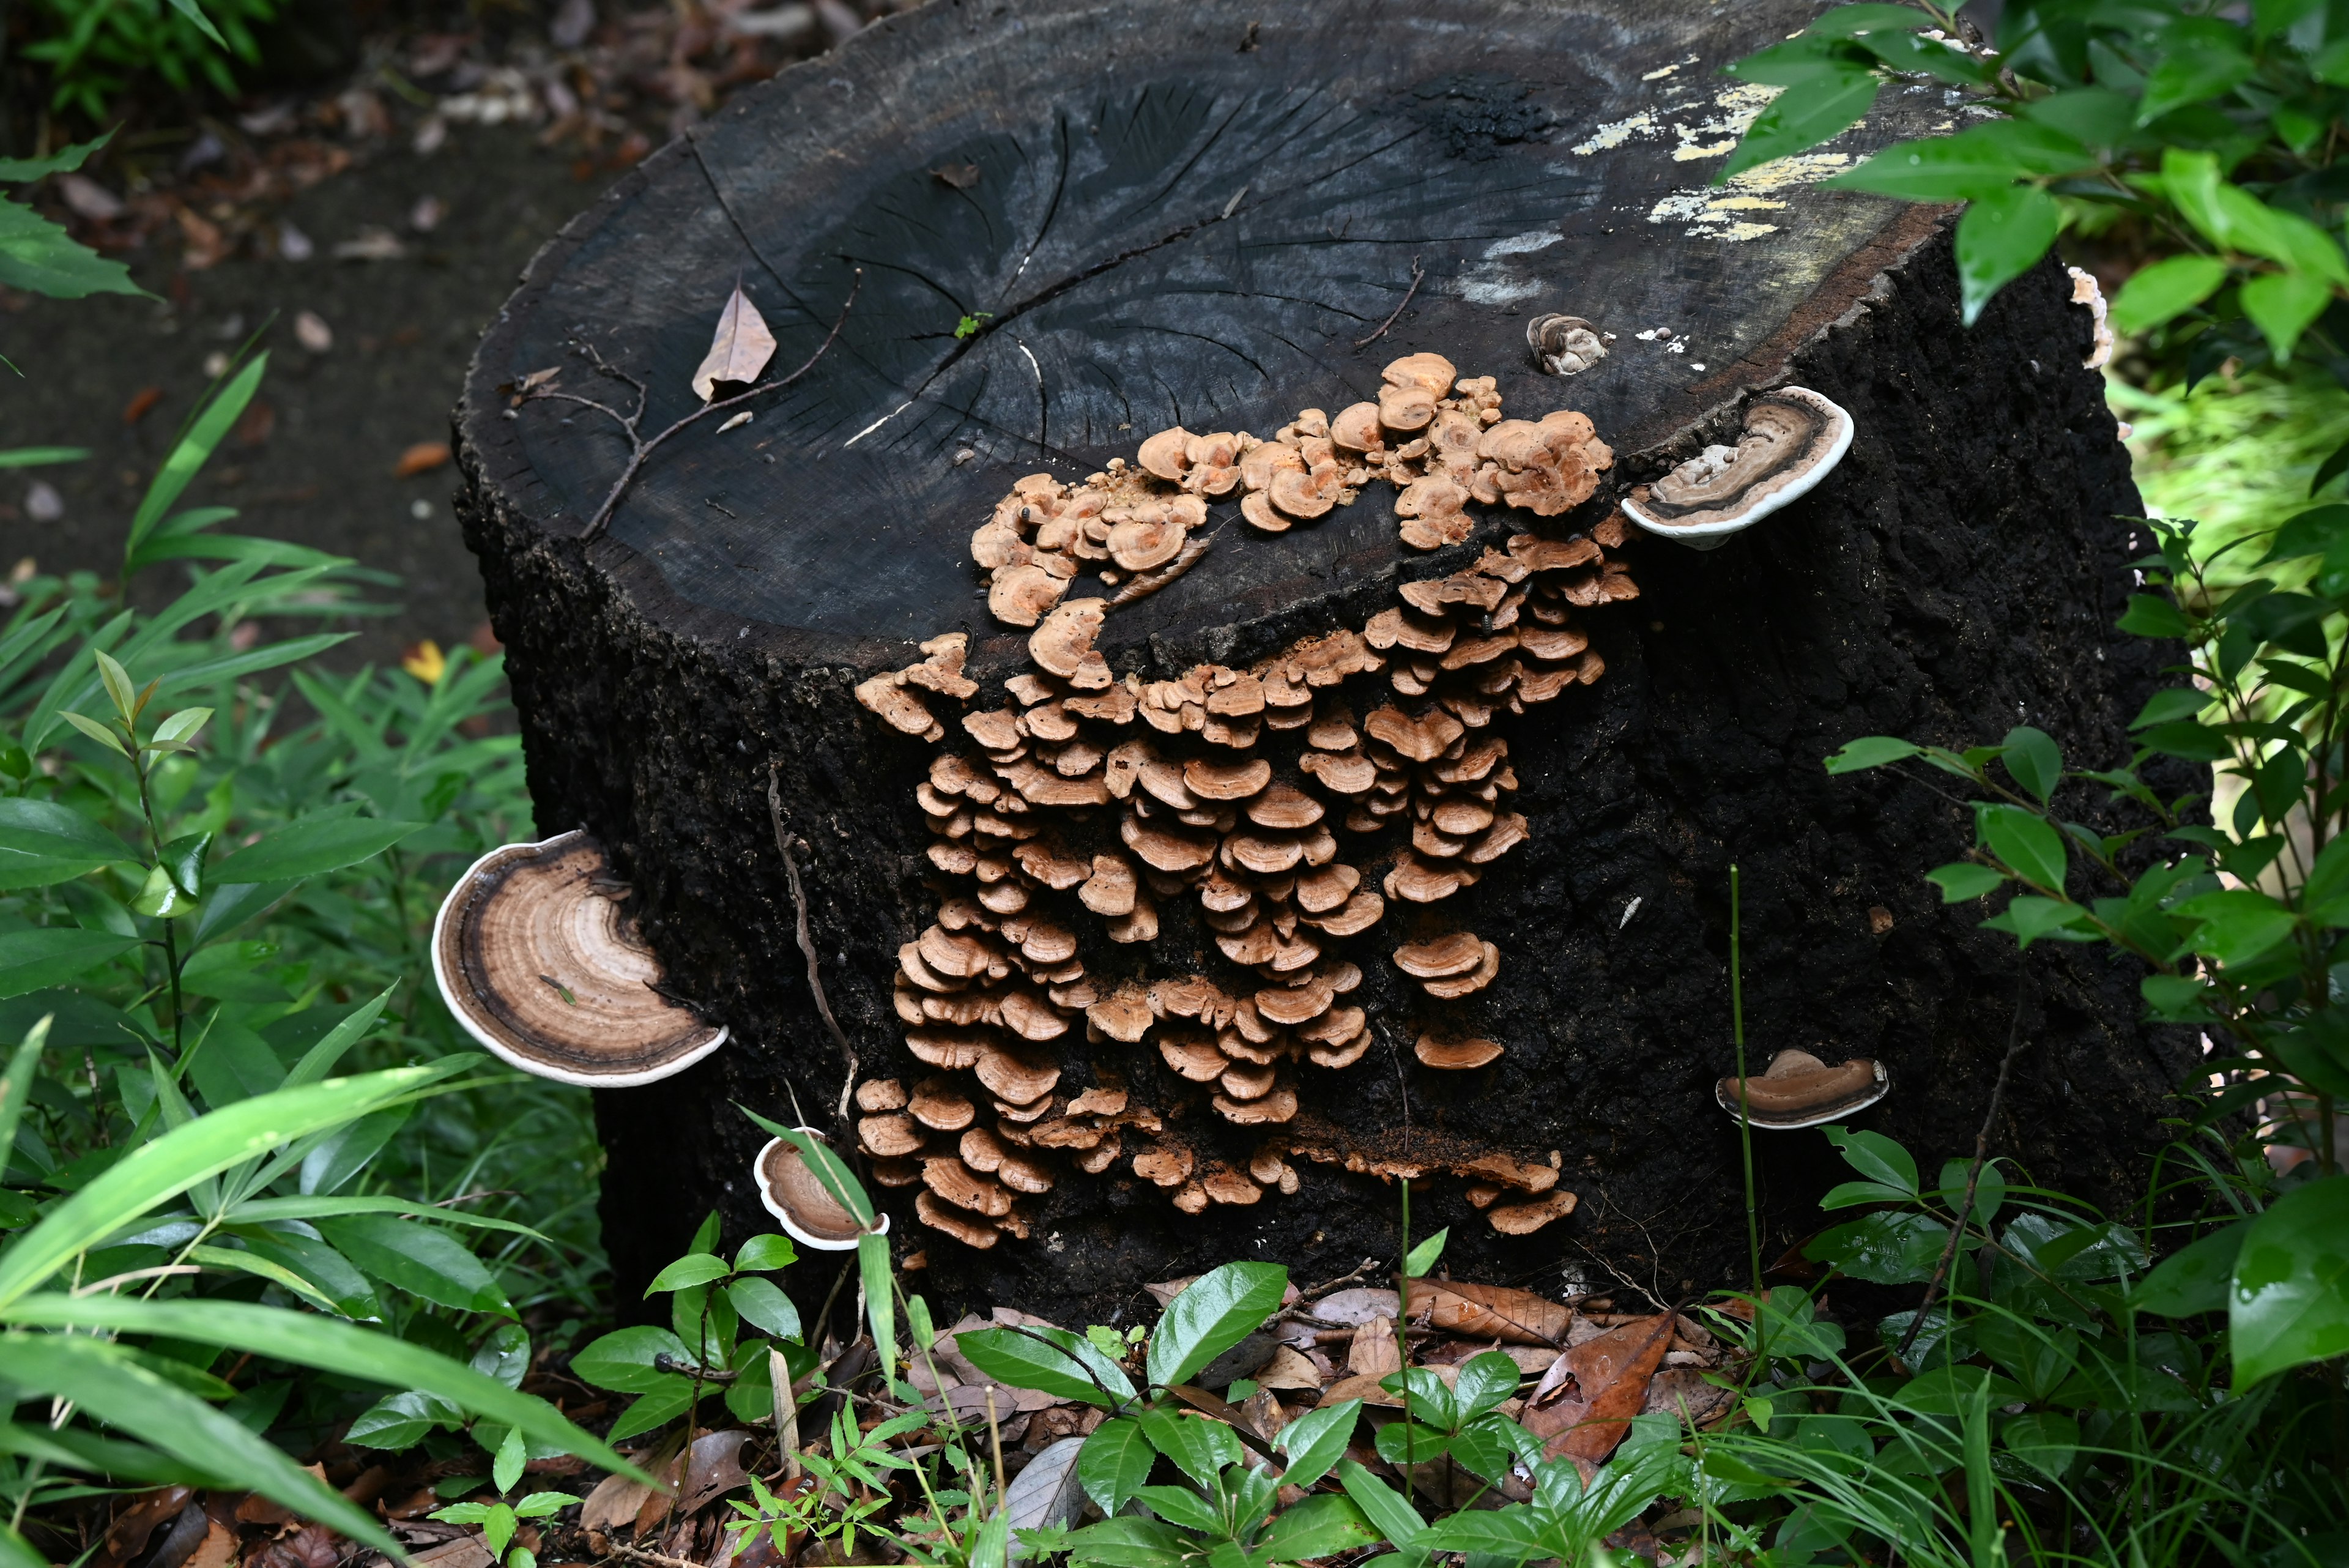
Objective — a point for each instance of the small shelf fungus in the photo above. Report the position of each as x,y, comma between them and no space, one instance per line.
1794,437
796,1197
1798,1090
536,955
1299,799
1564,345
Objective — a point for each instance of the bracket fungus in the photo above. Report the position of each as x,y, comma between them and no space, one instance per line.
1798,1090
1793,439
536,955
797,1199
1078,802
1564,345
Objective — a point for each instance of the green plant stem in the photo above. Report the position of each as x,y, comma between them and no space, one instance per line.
1745,1111
170,939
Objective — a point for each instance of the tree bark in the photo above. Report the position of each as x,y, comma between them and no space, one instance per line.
1202,214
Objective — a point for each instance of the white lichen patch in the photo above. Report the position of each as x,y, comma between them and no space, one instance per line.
1725,212
1716,135
1492,281
1616,133
1659,74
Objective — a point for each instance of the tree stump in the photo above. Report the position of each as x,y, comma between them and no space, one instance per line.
1022,241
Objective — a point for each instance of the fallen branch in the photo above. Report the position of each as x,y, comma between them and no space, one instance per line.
807,943
1417,272
639,449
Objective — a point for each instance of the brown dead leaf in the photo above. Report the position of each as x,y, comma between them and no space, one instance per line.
616,1501
1492,1312
216,1550
740,348
1682,1391
1355,1306
961,176
1585,1402
1288,1369
141,404
126,1538
1375,1352
1165,1292
712,1469
465,1551
422,458
316,1546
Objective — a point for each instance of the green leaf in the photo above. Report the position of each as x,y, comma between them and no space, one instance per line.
418,1258
204,434
624,1361
2164,291
1982,162
880,1300
1485,1381
42,843
1870,751
97,731
1820,109
2236,925
1848,21
1877,1157
39,257
1317,1441
195,13
2282,305
1199,1445
160,898
1422,1257
2201,59
104,1380
2027,841
2173,998
693,1268
1211,1314
40,456
1317,1527
1888,1249
2172,706
1962,880
764,1254
2046,1441
1049,1360
1850,1194
2289,1303
505,1471
2028,918
2195,1278
2032,760
16,1085
50,955
1389,1511
311,846
65,161
1114,1463
2001,237
2153,615
764,1307
830,1170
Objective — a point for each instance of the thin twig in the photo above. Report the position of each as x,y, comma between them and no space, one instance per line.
1974,1175
639,449
807,943
1314,1292
660,1559
1417,272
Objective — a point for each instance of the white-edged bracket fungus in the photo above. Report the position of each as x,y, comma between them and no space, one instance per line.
796,1198
538,959
1794,437
1798,1090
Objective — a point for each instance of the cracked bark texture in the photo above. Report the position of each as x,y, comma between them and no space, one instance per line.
1191,213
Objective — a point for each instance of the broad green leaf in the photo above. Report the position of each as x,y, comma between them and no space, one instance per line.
2028,919
652,1411
2001,237
311,846
1888,1249
1485,1381
1317,1441
1850,1194
1424,1256
39,257
16,1085
1116,1461
1507,1534
1049,1360
1962,880
505,1470
764,1254
2236,925
1315,1528
1801,117
1199,1444
39,457
2195,1278
880,1300
830,1170
1877,1157
624,1361
2166,290
64,160
417,1258
2289,1303
2202,58
50,955
763,1305
1982,161
2282,305
43,843
1389,1511
2032,760
194,448
1210,1315
2046,1441
2027,841
104,1380
1848,21
693,1268
1870,751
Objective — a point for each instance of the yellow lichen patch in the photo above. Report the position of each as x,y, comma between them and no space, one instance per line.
1616,133
1722,214
1714,137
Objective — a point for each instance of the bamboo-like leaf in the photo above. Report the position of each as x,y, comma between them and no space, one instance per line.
16,1085
195,448
740,348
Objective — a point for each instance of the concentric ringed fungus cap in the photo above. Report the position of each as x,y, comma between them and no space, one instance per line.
796,1197
1798,1090
535,957
1794,437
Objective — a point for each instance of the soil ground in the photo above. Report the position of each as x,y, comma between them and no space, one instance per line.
318,467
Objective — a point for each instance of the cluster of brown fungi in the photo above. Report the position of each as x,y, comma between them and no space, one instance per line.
1089,792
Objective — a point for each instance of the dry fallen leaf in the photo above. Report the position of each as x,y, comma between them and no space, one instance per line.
961,176
216,1550
310,330
423,457
740,348
615,1502
141,402
1288,1369
1492,1312
1584,1404
712,1469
